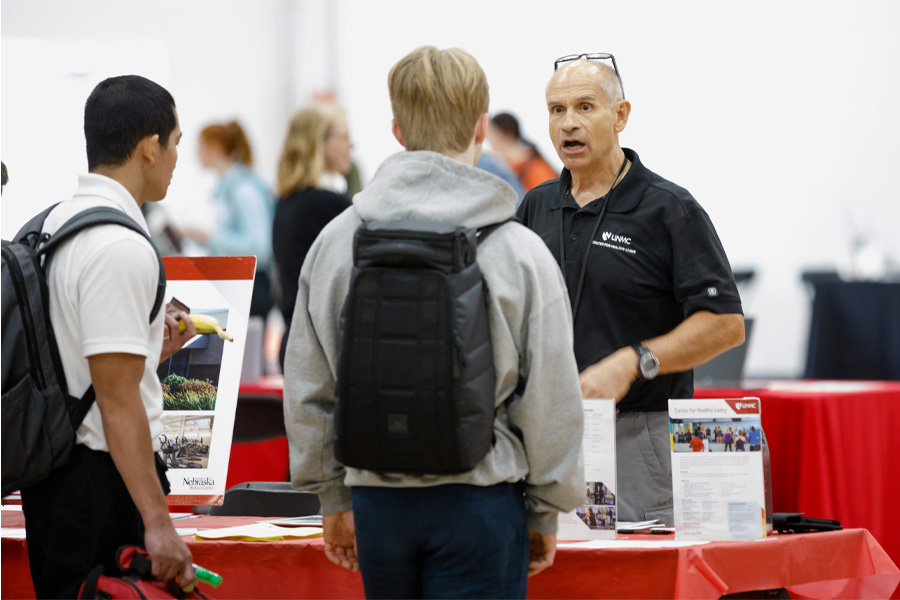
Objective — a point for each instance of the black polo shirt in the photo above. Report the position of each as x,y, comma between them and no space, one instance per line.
655,260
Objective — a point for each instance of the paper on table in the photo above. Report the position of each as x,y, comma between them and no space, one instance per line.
307,521
638,524
258,532
15,533
632,544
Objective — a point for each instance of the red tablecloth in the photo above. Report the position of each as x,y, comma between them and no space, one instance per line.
833,448
851,564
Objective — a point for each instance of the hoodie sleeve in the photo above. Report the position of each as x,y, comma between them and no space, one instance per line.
549,415
309,378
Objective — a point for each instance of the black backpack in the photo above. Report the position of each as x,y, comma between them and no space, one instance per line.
415,383
39,416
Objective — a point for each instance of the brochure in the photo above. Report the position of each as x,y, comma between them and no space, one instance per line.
596,518
717,469
201,381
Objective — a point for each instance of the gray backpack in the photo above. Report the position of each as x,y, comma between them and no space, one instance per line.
39,416
415,385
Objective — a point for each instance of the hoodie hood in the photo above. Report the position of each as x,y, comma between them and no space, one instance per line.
432,187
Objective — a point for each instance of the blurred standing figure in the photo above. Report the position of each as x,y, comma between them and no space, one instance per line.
244,225
316,152
521,155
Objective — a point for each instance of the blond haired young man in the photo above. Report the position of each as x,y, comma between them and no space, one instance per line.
480,533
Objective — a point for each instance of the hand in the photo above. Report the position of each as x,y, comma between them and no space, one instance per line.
340,539
169,555
542,551
173,340
611,377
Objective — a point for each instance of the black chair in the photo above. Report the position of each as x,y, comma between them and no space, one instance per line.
258,418
266,499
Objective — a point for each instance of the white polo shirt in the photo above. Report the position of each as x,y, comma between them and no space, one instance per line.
102,286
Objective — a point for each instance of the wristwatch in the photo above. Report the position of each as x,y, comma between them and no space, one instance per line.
648,364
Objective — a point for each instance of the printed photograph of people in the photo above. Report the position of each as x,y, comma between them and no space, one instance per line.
716,435
599,510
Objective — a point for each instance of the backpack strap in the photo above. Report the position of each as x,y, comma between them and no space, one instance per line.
102,215
482,233
47,244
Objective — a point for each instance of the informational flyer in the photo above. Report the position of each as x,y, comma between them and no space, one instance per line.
201,381
596,518
717,469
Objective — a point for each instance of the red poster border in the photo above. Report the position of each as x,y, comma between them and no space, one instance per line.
211,268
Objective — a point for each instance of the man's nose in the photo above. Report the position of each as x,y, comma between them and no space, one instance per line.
570,121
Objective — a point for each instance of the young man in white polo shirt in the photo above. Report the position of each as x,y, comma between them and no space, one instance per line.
102,287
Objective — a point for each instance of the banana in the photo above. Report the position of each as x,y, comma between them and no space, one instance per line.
205,324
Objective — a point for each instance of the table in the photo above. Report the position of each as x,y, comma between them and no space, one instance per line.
854,331
833,448
830,441
850,563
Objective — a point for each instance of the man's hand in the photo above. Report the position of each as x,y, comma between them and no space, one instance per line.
169,554
611,377
340,539
542,551
172,339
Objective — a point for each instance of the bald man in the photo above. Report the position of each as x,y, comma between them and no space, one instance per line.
651,289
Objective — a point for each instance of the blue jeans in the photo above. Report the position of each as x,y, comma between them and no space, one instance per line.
445,541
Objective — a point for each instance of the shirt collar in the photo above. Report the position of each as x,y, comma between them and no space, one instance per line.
94,184
627,194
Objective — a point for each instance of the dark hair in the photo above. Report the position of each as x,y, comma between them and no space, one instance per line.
232,139
4,177
508,124
119,113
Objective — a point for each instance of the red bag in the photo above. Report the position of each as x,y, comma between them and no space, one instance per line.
136,580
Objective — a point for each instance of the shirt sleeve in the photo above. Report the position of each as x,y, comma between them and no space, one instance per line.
117,288
702,276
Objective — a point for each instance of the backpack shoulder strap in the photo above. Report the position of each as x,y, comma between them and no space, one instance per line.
487,230
102,215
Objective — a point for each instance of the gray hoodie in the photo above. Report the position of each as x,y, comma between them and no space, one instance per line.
538,435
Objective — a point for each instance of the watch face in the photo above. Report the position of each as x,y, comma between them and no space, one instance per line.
649,365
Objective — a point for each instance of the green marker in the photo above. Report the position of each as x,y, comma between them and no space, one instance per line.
207,576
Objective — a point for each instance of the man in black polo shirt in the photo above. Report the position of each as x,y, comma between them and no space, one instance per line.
651,289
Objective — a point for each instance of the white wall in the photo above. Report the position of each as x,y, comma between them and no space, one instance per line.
780,117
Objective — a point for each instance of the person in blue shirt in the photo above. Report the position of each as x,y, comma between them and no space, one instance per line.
245,207
754,439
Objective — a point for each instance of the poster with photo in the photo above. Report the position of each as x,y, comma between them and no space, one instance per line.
717,469
200,382
596,518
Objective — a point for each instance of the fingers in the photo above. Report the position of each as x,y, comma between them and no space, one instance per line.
190,330
171,328
188,579
342,556
538,564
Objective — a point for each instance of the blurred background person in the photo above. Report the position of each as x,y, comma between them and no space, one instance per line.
244,205
521,155
315,157
498,167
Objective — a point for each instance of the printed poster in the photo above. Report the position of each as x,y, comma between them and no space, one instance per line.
201,381
596,518
717,469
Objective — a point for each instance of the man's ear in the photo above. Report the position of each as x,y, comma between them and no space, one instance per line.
481,127
398,135
149,147
622,111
